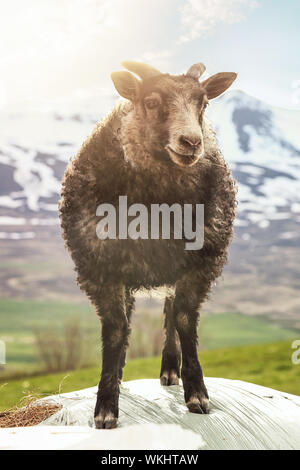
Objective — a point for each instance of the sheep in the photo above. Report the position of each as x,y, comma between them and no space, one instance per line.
154,147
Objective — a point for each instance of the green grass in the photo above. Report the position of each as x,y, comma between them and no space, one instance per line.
21,266
232,329
265,364
22,316
18,318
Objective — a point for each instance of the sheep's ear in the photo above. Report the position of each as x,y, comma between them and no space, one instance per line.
217,84
126,85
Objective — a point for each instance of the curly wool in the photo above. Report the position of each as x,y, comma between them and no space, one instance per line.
101,172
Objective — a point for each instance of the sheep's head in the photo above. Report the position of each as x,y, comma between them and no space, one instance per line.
167,111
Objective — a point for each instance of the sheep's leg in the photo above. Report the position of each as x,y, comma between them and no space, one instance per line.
129,302
171,355
115,330
188,297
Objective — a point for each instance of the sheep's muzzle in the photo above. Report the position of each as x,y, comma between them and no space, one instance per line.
183,159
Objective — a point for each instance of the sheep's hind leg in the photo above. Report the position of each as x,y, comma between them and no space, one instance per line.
171,355
188,298
115,330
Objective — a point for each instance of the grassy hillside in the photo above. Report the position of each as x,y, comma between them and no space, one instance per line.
19,318
232,329
265,364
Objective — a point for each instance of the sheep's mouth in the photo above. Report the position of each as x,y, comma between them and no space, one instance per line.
182,159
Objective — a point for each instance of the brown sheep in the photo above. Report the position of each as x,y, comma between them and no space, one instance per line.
155,147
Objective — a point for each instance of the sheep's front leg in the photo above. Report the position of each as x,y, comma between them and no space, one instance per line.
171,355
115,330
129,303
187,300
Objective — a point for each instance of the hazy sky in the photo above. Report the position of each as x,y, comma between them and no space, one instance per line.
58,54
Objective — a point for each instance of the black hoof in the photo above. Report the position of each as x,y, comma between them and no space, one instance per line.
169,378
106,421
198,405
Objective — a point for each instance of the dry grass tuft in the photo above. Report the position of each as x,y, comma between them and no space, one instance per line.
30,414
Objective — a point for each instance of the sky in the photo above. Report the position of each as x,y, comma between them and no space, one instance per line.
57,55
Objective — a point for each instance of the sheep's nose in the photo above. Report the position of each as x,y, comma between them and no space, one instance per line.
190,141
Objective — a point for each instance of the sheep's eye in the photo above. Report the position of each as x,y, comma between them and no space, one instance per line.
152,103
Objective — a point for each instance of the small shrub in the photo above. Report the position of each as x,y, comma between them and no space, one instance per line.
146,339
60,349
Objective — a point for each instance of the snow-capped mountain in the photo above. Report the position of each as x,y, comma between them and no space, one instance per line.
260,142
34,151
262,145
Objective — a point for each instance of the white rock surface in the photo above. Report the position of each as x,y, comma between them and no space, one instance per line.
243,416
